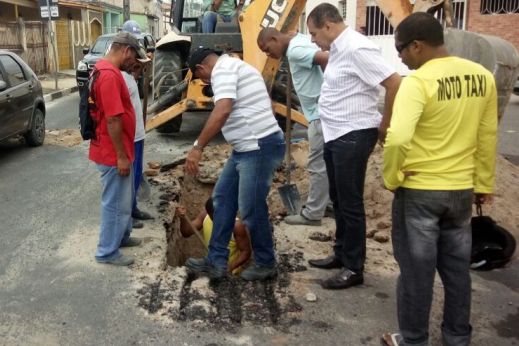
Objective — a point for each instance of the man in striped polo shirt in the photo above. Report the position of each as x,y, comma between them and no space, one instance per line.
349,117
243,112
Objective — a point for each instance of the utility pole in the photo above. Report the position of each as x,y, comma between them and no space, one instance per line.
126,10
53,45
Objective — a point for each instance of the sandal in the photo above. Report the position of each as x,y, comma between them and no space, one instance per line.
391,339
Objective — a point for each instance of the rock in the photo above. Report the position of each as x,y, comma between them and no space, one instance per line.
311,297
318,236
151,172
154,165
383,225
381,238
371,233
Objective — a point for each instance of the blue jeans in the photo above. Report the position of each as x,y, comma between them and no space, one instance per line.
346,160
137,171
209,20
116,210
244,185
431,231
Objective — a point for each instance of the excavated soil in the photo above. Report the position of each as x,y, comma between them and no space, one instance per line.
167,292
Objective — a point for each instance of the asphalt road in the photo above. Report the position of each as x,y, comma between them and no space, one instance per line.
53,293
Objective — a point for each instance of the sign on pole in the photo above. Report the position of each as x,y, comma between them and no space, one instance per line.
46,5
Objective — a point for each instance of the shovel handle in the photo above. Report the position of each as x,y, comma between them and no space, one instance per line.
288,124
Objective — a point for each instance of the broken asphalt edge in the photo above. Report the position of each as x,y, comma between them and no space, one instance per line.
60,93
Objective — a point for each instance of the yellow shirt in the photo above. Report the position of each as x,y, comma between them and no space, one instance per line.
443,128
234,252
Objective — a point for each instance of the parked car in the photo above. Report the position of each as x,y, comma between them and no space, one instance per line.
99,50
22,108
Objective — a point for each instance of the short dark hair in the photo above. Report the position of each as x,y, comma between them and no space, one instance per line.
325,12
209,208
420,26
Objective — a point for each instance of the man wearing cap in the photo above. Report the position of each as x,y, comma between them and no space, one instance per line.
130,76
112,149
243,112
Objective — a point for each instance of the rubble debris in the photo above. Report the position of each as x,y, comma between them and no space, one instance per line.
311,297
154,165
381,237
319,236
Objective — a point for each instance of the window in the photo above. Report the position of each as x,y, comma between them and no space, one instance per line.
376,22
13,69
343,9
499,6
458,14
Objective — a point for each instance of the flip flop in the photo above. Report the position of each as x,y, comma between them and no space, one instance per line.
389,339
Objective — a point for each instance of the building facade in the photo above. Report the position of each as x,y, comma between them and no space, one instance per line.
80,22
491,17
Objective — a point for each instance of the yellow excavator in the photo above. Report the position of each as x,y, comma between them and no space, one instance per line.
175,92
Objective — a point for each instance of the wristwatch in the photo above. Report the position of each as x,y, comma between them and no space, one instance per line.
197,146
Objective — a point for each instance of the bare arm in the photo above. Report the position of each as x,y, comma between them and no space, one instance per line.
214,124
241,237
115,130
391,85
185,227
321,59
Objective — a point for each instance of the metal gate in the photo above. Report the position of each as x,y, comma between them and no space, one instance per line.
380,31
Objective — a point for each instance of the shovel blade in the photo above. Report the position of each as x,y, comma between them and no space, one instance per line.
290,198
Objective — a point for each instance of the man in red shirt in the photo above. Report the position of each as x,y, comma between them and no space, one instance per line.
112,149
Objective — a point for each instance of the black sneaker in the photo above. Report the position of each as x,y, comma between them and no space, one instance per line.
141,215
119,261
131,242
258,273
202,265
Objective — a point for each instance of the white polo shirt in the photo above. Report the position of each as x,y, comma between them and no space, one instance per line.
251,117
349,94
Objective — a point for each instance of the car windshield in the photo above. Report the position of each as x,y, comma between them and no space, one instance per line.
101,45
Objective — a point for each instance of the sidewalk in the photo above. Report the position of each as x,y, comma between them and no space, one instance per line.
66,84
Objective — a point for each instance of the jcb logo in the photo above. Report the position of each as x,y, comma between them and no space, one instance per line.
274,13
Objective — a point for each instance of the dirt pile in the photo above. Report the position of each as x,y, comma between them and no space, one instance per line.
170,293
66,137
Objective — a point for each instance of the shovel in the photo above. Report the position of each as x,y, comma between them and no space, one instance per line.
288,192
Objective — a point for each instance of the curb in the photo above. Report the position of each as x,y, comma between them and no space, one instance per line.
60,93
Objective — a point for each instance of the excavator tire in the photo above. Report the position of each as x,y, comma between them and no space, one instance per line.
167,72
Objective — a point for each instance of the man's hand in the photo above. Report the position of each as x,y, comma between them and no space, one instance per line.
180,212
192,160
484,198
382,132
123,166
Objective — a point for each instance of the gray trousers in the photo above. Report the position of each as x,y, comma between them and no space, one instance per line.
318,198
431,232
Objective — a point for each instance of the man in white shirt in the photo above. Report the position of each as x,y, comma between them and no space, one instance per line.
243,112
351,125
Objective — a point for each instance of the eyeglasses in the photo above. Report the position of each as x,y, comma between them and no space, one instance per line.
401,47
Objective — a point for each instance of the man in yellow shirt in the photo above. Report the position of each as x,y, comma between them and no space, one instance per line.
239,245
439,153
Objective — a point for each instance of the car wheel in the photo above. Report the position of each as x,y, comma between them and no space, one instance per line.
36,134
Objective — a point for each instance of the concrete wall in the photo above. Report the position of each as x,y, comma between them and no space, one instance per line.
505,26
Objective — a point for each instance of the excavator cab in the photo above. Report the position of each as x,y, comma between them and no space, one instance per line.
175,92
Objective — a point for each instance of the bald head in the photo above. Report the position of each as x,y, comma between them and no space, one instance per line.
273,42
267,34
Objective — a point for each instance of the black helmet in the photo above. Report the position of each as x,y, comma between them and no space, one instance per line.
492,245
